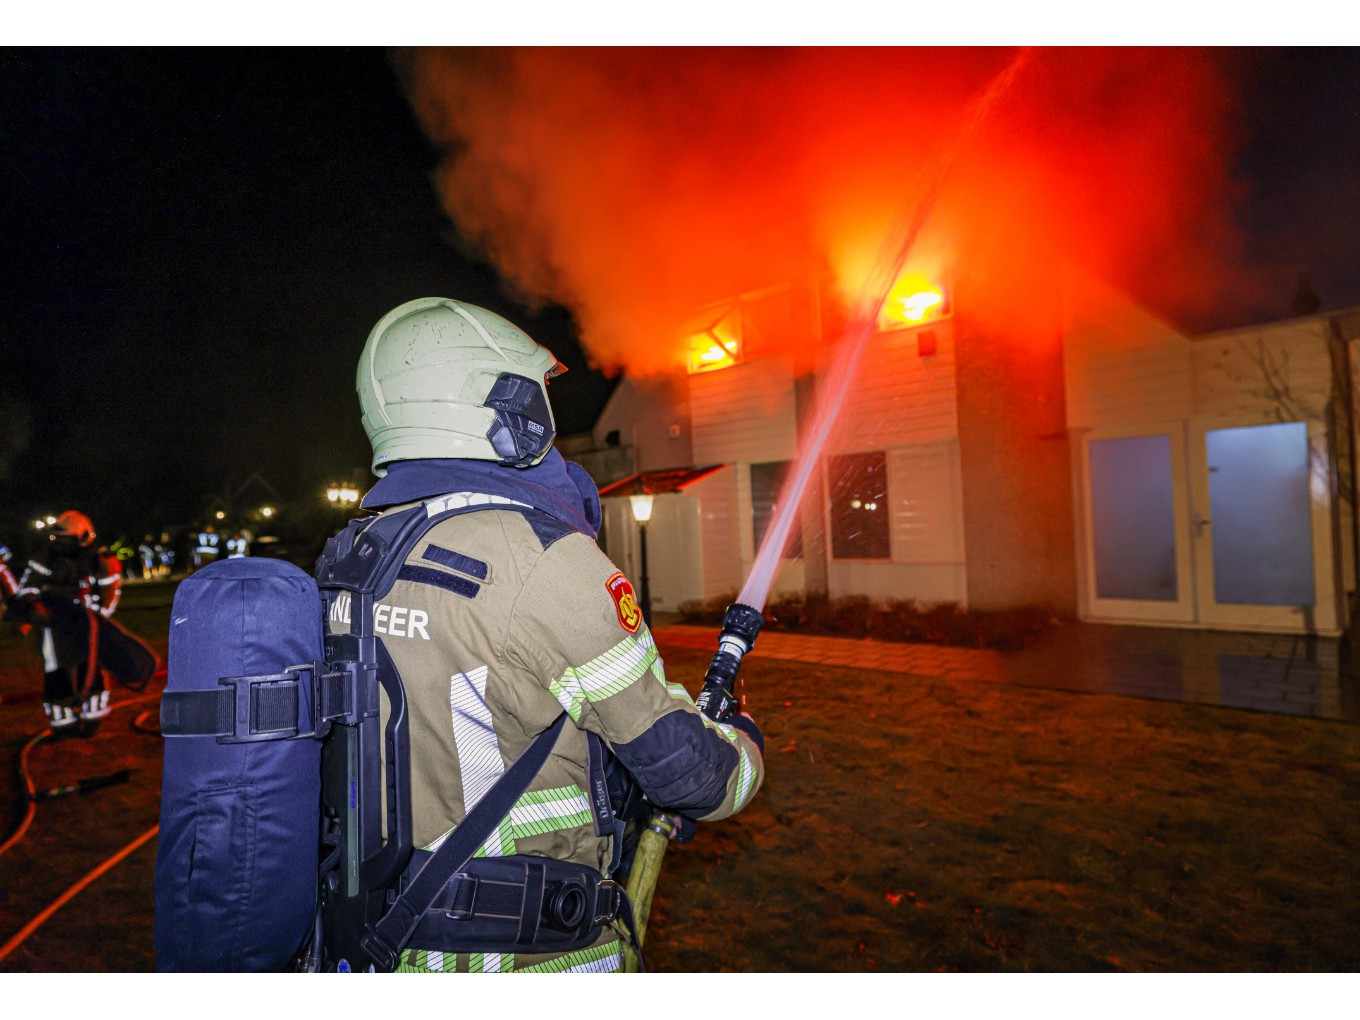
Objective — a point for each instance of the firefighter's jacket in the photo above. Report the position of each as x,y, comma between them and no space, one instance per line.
501,620
92,578
9,584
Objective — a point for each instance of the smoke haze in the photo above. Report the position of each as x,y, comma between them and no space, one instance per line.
635,185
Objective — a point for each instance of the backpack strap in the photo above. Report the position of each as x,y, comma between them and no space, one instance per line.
303,701
384,940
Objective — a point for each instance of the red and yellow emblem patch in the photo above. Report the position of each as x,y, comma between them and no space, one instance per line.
625,601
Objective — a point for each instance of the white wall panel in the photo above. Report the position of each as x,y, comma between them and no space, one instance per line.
720,522
926,583
743,413
900,395
927,508
1281,372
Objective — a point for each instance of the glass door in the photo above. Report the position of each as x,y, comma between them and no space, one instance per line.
1138,564
1217,524
1259,531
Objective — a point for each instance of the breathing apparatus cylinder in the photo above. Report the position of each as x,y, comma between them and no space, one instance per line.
741,624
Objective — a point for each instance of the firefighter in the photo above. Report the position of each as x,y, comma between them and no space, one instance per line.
64,591
504,618
207,547
146,553
9,584
165,556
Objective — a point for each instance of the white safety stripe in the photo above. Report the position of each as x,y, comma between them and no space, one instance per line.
435,960
491,963
479,754
746,774
474,738
106,581
607,965
614,670
96,706
49,651
607,958
553,810
459,500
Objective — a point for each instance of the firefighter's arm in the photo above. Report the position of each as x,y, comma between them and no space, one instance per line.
578,627
109,585
24,607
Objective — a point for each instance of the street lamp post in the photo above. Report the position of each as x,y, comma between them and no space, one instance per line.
642,513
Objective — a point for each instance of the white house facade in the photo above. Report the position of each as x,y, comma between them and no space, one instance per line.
1116,469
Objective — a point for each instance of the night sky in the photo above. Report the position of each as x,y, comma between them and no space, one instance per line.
197,241
197,244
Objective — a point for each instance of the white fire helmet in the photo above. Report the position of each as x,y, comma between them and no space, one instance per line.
439,378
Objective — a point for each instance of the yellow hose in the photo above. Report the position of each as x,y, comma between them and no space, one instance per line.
642,881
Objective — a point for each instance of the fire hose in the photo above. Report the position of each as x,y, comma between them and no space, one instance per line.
718,701
34,796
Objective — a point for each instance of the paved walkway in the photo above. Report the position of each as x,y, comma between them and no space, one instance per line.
1261,672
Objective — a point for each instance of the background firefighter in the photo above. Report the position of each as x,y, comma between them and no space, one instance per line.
68,591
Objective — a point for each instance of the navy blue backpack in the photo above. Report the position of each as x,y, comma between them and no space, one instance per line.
236,867
285,800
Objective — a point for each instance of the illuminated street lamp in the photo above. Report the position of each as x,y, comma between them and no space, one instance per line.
342,497
266,511
642,513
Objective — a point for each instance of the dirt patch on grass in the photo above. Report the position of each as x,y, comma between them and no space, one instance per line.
905,825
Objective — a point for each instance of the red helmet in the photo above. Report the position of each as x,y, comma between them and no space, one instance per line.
76,525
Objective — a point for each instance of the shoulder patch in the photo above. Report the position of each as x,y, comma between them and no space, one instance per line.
625,601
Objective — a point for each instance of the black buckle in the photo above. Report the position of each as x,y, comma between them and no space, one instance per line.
462,898
335,694
383,954
331,701
244,728
610,894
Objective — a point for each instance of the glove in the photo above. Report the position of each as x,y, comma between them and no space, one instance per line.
684,830
748,726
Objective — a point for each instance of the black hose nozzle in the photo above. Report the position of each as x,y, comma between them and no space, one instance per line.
740,626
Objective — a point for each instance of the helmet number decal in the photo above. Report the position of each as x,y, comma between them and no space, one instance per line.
625,601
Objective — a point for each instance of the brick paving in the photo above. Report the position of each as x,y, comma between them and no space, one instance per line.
1257,672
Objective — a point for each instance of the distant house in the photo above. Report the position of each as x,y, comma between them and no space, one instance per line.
1118,469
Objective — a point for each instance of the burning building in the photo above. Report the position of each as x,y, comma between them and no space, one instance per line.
1017,433
1127,472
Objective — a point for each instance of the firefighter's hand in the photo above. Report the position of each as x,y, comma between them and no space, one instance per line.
684,829
747,725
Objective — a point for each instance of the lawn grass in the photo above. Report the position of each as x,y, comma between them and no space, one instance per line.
905,825
924,825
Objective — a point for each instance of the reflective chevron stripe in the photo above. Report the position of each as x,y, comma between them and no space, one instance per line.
606,675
